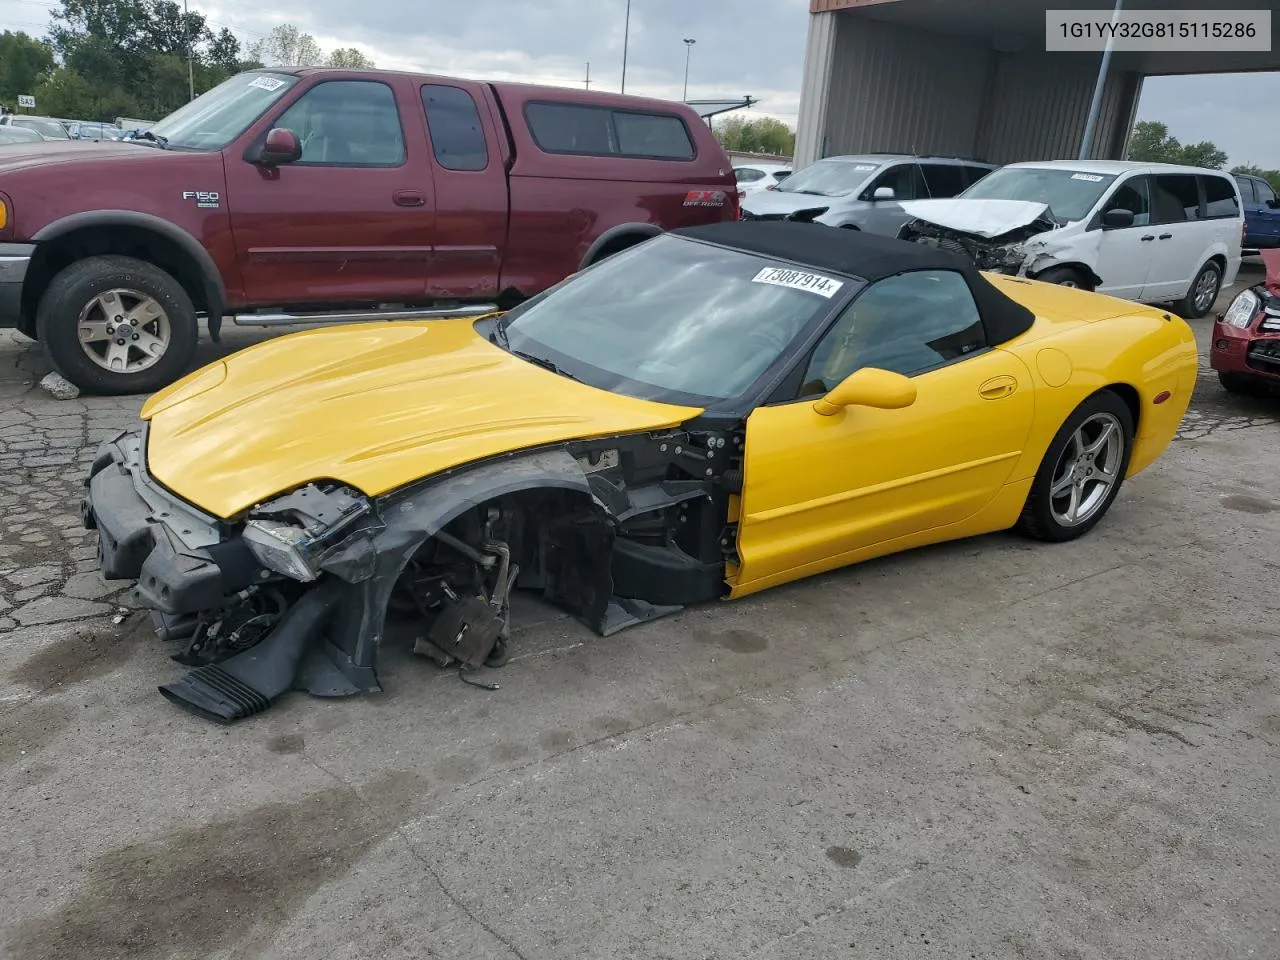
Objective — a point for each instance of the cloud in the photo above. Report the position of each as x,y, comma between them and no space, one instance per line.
1228,109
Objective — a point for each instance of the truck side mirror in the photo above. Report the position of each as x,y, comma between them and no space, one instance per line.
281,146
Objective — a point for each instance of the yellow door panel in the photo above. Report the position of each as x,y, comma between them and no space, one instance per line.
817,487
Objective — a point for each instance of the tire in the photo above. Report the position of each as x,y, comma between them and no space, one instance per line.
1194,306
1246,386
1065,277
1042,515
156,346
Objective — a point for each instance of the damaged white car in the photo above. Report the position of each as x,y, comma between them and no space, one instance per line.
1156,233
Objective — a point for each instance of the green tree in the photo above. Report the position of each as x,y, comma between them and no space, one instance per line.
763,135
287,46
1151,142
24,62
350,58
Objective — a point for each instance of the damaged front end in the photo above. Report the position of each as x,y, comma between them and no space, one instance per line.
295,594
992,238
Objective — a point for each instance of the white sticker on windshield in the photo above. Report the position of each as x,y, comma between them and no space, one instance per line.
271,84
1087,177
799,280
864,166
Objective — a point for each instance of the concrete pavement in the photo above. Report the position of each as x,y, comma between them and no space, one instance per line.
984,750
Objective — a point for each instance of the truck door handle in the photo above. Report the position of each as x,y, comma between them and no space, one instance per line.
1165,236
409,198
1149,236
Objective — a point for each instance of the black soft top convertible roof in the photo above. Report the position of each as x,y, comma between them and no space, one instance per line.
866,255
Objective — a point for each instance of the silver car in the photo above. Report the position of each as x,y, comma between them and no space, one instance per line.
863,192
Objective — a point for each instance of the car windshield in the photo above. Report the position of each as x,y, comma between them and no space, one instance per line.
212,120
42,126
829,178
672,320
1070,194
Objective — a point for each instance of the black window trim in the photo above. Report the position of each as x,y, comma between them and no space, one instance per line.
395,102
484,134
789,384
612,111
1202,180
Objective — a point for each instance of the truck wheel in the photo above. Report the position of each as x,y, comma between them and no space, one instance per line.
116,325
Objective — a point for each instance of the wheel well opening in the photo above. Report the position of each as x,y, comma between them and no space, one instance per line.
108,239
1084,272
617,245
1131,400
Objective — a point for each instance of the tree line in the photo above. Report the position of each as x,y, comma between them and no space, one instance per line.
1152,143
102,59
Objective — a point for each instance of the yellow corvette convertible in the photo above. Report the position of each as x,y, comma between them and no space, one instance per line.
716,411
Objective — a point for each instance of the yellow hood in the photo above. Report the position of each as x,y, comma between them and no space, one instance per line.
375,406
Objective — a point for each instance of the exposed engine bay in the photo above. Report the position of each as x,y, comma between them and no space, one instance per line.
295,595
1007,252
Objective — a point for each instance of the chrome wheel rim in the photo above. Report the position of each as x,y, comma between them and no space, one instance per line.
1087,471
1206,290
123,331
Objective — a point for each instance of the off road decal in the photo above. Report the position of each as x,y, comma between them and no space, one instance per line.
799,280
704,198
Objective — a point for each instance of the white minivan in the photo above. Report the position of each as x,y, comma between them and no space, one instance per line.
1153,232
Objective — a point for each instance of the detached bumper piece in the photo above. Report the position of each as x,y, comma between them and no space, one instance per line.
250,682
188,577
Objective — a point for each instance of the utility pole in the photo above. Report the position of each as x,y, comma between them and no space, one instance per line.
626,39
588,80
1095,107
688,52
191,72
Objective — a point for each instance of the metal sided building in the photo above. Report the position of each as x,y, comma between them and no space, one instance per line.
971,78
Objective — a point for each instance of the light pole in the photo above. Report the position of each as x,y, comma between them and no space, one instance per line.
191,75
688,52
1095,107
626,37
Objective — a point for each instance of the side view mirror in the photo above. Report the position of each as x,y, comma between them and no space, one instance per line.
1273,204
883,193
282,146
1117,219
868,387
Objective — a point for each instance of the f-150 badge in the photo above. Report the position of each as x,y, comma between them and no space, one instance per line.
203,198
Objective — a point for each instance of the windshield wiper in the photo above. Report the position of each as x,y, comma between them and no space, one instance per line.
544,363
498,336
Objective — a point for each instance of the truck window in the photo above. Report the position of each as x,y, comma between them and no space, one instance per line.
347,123
652,135
454,125
602,132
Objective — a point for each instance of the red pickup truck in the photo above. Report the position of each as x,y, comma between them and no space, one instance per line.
296,195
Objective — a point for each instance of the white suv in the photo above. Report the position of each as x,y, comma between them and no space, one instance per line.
1153,232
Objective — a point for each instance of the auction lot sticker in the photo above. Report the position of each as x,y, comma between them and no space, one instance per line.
1192,31
799,280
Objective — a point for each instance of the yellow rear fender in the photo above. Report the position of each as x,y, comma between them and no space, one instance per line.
1148,358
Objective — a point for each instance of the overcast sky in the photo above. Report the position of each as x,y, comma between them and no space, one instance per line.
744,47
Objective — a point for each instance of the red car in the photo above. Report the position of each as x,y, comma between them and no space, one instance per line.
325,195
1246,339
